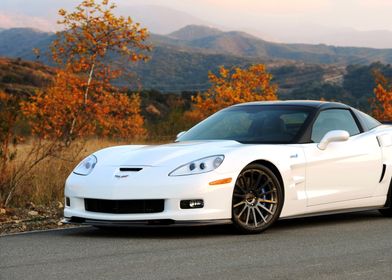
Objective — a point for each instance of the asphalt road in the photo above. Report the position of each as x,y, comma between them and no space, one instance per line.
349,246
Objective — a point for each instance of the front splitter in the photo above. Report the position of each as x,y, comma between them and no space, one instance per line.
143,223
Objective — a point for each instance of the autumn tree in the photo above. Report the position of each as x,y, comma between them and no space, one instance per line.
8,117
8,140
83,100
11,174
60,112
382,101
232,86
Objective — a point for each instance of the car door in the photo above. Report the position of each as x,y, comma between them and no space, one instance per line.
345,170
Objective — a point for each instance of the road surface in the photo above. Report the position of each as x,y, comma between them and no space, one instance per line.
348,246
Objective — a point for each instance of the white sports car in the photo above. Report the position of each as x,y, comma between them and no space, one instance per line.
248,164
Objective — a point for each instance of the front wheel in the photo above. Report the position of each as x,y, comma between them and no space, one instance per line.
257,199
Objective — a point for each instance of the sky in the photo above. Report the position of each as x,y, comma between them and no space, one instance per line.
313,21
357,14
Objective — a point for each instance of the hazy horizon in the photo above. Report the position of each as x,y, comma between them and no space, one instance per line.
334,22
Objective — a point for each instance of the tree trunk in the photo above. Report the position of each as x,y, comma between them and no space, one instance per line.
90,76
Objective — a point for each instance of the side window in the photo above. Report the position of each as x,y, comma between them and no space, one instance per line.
333,119
367,120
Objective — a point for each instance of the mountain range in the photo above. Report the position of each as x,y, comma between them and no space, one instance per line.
242,44
181,60
204,39
163,17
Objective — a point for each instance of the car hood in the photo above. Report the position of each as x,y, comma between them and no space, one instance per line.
161,155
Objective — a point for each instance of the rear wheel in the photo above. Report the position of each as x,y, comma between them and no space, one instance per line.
387,211
257,199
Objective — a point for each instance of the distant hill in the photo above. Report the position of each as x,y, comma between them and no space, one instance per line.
352,84
321,34
193,32
23,78
181,60
195,38
19,42
159,19
242,44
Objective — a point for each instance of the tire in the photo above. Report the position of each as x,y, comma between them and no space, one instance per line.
257,199
387,211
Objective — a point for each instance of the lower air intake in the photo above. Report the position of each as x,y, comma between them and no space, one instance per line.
124,206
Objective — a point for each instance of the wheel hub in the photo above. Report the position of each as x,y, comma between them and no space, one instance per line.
251,199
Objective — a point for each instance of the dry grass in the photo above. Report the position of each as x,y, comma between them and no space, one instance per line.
44,184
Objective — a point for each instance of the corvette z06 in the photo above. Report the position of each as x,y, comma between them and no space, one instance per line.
249,165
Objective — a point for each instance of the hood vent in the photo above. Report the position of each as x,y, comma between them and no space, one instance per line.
130,169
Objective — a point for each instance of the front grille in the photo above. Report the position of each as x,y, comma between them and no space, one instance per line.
124,206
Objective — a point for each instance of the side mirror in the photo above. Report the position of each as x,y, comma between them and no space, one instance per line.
180,134
333,136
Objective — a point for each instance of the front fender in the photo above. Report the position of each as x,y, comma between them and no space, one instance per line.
289,160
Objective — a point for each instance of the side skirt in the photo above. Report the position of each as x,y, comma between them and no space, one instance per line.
342,211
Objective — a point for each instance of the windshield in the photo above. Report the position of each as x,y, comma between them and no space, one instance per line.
270,124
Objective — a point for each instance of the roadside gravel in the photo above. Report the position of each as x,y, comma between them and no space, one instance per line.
31,217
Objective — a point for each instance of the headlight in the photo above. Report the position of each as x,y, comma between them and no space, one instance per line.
86,166
202,165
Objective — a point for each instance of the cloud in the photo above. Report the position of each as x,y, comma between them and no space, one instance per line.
18,20
267,6
375,3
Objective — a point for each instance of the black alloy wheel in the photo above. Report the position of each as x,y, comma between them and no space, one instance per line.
257,199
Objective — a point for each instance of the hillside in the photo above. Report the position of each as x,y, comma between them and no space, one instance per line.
242,44
352,84
195,38
19,42
23,77
193,32
180,62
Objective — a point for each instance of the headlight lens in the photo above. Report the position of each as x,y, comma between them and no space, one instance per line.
202,165
86,166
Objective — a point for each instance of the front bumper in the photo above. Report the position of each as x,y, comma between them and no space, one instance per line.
152,183
141,223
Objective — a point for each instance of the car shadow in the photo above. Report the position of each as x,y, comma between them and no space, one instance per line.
171,232
336,219
152,232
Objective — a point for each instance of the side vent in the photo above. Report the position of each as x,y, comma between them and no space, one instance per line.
378,141
130,169
383,172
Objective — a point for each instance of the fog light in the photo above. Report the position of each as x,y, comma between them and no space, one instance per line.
190,204
67,201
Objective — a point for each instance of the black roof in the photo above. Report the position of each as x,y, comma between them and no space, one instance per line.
307,103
